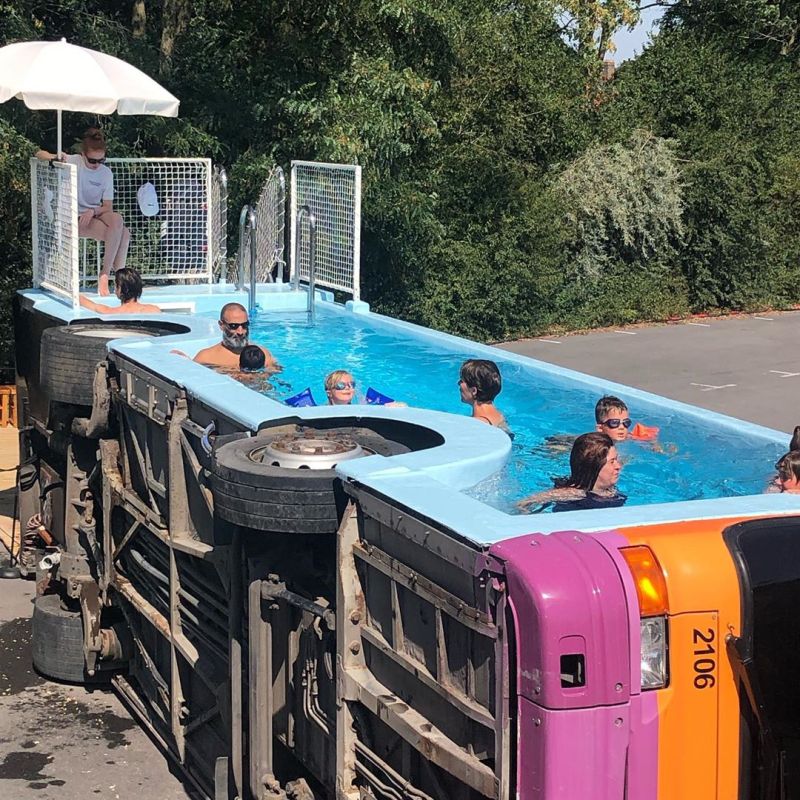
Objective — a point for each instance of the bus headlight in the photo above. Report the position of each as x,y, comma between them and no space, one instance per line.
655,669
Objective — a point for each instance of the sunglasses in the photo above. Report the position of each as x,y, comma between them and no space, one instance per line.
340,385
232,326
615,423
96,160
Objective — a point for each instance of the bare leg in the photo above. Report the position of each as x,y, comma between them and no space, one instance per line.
97,229
122,253
112,240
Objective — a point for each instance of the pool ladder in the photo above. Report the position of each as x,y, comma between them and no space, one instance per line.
247,222
312,258
247,227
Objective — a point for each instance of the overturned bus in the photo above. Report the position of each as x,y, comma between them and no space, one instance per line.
304,603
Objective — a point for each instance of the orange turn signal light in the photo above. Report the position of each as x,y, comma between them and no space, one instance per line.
651,586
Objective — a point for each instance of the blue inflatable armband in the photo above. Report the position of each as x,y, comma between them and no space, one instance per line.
301,400
375,398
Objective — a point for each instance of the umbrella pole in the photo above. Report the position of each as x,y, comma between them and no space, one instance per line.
58,132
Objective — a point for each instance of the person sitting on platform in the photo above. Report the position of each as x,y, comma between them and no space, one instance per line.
96,217
128,288
235,327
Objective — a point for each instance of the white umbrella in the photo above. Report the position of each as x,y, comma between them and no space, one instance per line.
64,77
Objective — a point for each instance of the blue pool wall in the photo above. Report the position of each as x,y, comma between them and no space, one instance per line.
430,481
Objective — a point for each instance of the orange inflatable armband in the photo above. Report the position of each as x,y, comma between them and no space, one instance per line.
644,433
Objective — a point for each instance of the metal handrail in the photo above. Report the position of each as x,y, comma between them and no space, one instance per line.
251,295
312,257
281,262
244,215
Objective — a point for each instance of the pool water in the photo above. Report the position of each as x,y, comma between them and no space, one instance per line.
692,461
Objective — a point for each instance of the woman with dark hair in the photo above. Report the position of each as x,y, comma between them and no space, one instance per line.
479,382
96,217
592,482
795,443
128,288
788,467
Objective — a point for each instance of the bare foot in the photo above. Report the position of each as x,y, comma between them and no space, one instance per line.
102,286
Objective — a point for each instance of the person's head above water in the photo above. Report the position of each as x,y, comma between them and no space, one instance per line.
479,381
252,358
235,326
788,467
93,147
127,285
593,463
612,417
340,387
795,443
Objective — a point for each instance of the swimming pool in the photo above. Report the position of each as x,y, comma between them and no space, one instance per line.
695,460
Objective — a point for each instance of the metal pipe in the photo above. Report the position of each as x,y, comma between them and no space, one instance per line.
282,194
251,297
243,218
312,257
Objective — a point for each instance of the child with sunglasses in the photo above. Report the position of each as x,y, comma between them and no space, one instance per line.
96,217
612,418
340,387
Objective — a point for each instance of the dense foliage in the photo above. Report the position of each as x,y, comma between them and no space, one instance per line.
508,189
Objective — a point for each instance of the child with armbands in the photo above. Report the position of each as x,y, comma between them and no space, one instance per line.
340,388
612,418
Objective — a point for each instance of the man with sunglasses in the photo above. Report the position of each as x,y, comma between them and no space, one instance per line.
235,327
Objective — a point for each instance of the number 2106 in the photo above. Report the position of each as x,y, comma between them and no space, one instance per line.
705,658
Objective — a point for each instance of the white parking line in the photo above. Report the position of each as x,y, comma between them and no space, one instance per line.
785,374
707,387
765,319
549,341
627,333
699,324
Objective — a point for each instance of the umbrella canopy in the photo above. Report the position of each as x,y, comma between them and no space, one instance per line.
64,77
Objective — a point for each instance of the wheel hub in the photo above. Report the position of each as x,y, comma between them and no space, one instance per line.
310,450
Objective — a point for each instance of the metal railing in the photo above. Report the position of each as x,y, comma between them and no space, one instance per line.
306,212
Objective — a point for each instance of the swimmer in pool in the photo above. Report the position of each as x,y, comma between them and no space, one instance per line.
612,418
594,470
788,467
235,327
252,358
340,388
128,289
479,382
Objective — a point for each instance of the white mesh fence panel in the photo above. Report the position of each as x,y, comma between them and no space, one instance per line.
333,193
178,238
219,222
270,212
54,218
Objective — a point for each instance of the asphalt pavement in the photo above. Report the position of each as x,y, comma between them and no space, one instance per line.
744,366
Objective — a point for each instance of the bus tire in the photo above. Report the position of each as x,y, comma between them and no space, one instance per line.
57,642
70,354
269,498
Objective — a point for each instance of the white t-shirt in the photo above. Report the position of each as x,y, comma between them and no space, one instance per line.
94,185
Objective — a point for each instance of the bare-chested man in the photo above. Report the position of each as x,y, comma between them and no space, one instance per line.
235,327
